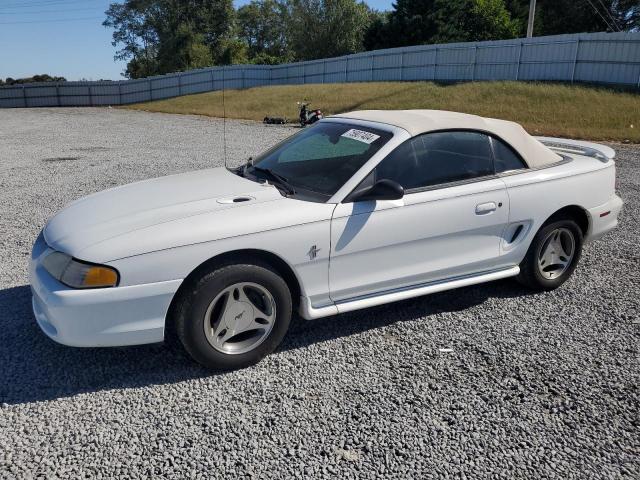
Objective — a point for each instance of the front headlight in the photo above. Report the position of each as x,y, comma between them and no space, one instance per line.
79,274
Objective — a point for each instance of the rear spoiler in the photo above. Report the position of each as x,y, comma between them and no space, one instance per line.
578,147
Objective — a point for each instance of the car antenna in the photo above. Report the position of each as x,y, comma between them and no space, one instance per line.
224,122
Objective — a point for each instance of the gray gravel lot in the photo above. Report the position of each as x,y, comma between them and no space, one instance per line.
537,385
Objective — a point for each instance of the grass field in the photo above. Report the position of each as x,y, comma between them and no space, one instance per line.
542,108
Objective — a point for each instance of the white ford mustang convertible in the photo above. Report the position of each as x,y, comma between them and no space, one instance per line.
361,209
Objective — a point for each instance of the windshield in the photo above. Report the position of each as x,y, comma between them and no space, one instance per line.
316,162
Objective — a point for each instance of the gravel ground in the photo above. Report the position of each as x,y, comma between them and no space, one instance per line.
536,385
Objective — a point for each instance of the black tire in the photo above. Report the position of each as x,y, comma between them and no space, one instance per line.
530,274
193,304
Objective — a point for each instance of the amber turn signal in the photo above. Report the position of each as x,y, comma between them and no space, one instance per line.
100,277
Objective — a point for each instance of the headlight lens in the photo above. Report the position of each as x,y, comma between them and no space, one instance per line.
78,274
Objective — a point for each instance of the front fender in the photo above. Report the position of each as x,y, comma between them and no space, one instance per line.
291,244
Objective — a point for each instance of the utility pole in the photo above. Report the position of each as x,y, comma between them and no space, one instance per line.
532,14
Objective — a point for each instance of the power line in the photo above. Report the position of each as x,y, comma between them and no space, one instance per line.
15,3
51,11
59,20
601,16
610,16
52,3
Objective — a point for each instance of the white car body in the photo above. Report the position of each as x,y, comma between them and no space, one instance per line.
342,256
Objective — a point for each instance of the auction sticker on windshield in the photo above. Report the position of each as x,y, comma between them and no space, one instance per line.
361,135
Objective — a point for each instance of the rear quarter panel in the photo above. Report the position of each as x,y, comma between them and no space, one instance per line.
537,194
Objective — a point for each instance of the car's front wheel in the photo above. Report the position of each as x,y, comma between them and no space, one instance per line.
234,316
552,256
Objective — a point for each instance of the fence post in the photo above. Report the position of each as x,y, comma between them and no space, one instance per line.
150,90
475,61
401,65
119,93
180,84
24,95
58,93
90,97
518,66
435,65
346,69
372,56
575,61
324,70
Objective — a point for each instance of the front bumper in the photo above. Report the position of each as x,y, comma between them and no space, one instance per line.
102,317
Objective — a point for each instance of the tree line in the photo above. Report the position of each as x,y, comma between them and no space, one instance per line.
36,78
162,36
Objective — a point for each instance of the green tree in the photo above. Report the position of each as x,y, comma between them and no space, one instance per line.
409,23
575,16
163,36
472,20
415,22
375,34
234,52
262,26
327,28
43,77
183,50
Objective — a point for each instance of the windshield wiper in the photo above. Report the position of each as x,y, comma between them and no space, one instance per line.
243,168
280,180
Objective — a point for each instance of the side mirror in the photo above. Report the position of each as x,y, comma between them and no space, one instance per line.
383,189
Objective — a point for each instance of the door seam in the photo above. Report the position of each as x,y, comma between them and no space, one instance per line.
330,295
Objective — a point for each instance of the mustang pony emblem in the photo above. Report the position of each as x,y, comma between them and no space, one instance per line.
313,252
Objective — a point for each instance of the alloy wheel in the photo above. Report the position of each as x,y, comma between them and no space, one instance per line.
240,318
556,254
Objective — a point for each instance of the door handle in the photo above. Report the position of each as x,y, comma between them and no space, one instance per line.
485,208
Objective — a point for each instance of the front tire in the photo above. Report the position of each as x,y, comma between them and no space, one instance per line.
234,316
552,256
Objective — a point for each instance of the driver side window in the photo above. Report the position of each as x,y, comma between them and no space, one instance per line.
438,158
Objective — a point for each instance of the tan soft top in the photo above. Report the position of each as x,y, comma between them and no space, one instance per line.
421,121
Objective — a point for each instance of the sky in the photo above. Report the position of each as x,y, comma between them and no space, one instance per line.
65,38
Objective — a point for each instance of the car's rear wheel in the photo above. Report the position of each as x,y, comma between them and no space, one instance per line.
234,316
552,256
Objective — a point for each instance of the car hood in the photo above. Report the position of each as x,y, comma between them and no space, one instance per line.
132,210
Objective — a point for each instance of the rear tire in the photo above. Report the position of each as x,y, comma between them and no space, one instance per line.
552,256
234,316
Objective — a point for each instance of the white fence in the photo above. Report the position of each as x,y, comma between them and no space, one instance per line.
602,58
